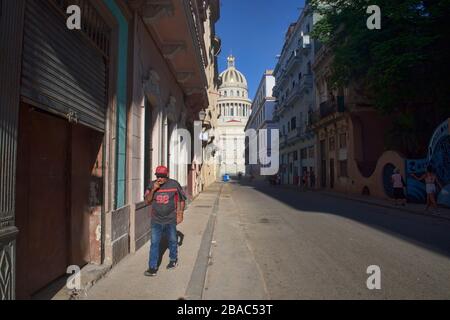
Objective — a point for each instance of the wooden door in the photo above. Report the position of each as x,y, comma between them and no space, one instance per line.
331,173
42,216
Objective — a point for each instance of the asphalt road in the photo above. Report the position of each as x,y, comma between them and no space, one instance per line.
277,243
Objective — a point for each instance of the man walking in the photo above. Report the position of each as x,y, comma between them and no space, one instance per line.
168,201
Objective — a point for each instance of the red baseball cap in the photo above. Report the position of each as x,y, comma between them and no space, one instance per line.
162,171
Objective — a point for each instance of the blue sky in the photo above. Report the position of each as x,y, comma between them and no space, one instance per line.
253,30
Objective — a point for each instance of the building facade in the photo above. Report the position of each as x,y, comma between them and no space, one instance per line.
350,158
210,123
86,116
235,108
261,118
295,99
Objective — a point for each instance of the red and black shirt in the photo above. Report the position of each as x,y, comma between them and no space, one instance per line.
165,202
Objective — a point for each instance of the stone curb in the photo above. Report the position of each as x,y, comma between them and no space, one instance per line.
196,283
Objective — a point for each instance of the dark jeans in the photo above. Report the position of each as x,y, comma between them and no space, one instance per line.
157,232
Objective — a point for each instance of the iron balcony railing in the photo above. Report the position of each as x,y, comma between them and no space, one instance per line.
306,83
302,87
294,58
313,117
329,107
283,140
326,108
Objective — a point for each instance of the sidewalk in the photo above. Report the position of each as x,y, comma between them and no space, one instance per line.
127,281
415,208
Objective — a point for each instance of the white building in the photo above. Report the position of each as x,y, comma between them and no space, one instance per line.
295,100
261,118
235,107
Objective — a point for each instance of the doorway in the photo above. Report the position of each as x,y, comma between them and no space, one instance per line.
323,165
42,201
331,173
59,188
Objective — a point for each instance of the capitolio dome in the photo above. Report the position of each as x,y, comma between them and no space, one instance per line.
232,77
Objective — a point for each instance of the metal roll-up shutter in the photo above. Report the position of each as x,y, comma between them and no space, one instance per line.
65,71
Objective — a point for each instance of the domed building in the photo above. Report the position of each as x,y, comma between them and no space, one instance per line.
234,107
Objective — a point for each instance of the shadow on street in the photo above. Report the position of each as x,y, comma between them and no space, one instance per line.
428,232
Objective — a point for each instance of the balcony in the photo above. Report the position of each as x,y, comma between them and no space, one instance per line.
293,95
305,133
276,90
329,107
293,60
176,27
292,136
281,79
301,133
306,83
313,117
300,89
283,140
326,109
279,108
305,43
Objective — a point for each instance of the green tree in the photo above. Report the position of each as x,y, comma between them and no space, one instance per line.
403,67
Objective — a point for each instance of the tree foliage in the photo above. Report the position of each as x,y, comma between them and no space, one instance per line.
403,67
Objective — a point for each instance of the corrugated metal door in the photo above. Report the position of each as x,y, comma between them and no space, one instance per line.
64,71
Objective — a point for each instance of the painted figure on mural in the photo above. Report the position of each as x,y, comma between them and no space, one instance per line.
439,159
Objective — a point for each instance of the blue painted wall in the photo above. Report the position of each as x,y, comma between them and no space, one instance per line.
439,158
121,107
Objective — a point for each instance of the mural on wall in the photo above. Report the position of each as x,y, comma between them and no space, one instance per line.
388,170
439,158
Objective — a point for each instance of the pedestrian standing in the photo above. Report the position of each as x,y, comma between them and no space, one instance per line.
313,179
399,186
168,201
305,179
431,180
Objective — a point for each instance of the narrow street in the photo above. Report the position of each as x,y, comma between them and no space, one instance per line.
279,243
299,145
